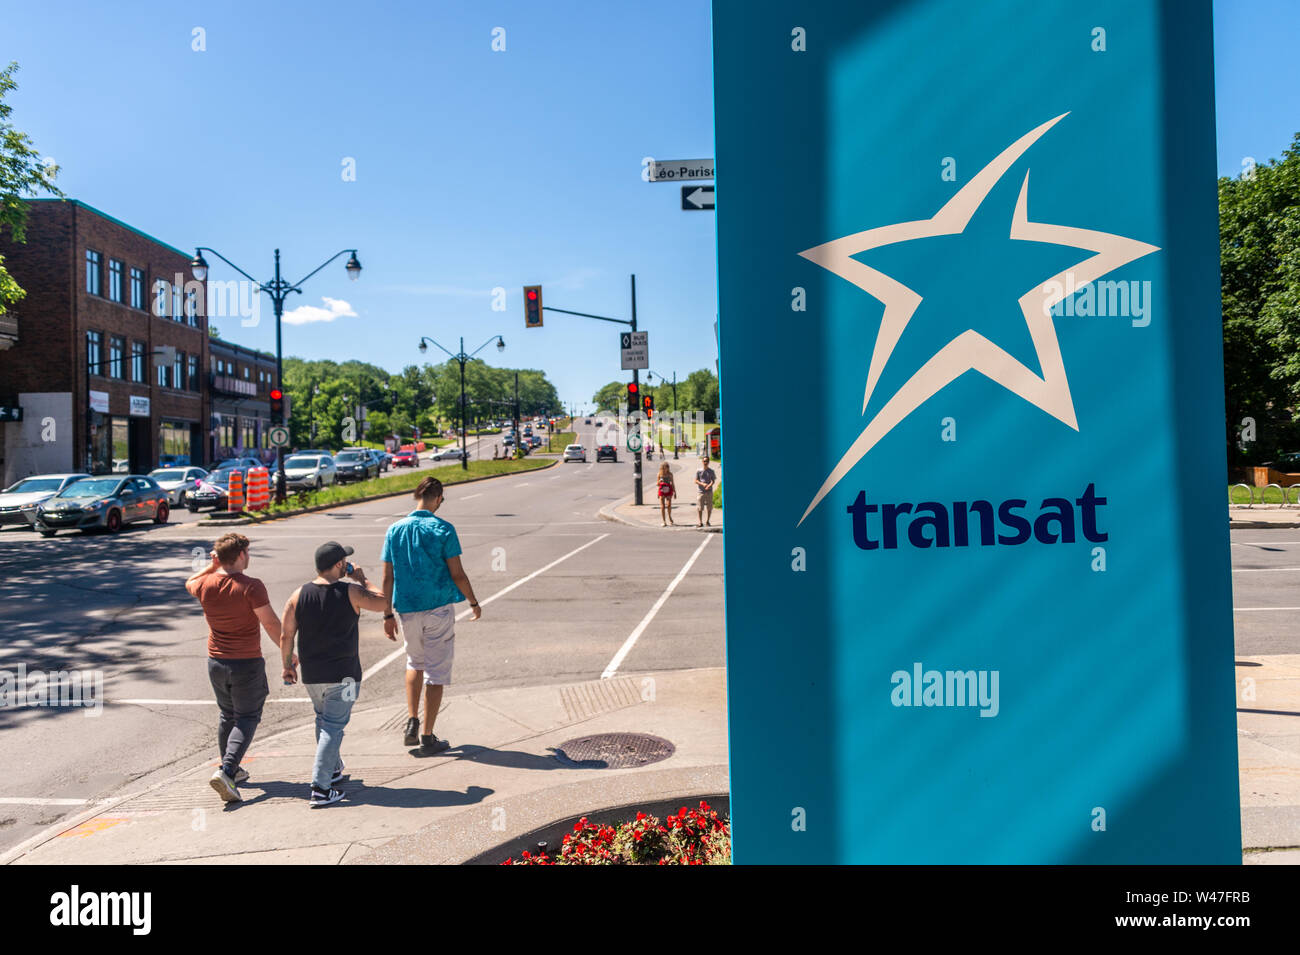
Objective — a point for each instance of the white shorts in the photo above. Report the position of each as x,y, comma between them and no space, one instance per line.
430,642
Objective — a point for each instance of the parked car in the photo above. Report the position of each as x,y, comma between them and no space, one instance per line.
356,466
309,472
381,458
213,491
18,501
109,502
406,459
451,452
242,463
607,452
178,482
575,452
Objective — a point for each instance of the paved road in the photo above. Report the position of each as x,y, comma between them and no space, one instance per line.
1266,591
572,589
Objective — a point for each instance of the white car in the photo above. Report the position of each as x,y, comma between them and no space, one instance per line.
178,482
309,472
575,452
18,501
450,453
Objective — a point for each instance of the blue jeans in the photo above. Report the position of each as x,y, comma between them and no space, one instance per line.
333,704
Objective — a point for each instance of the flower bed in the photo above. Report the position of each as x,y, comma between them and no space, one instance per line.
688,837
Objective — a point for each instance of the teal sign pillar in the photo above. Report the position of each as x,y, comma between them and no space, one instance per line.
978,606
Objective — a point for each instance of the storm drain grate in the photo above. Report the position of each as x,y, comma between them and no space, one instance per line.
614,751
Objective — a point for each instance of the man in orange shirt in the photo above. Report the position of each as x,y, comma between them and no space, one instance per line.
237,608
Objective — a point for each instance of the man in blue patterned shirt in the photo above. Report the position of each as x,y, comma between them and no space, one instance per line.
423,582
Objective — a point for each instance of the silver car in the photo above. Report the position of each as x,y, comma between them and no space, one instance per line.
575,452
451,452
18,501
107,501
178,482
309,472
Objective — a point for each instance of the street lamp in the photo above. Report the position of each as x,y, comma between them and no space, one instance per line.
279,290
649,376
461,358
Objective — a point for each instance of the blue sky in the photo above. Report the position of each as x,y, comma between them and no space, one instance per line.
474,168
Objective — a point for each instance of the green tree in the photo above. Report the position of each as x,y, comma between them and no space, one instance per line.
21,174
1259,237
608,397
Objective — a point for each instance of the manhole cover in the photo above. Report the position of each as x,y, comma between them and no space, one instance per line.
614,751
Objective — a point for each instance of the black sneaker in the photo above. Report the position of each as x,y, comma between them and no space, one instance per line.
338,774
319,797
431,744
412,736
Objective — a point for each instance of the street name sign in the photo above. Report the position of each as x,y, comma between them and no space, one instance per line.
678,170
697,197
984,615
634,348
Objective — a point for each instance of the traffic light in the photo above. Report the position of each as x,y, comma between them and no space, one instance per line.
648,405
633,399
277,406
532,306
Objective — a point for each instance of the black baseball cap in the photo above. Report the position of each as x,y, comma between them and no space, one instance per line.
330,553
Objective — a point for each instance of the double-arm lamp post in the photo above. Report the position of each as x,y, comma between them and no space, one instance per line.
279,290
462,359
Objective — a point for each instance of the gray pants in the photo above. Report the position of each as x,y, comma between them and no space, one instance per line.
241,689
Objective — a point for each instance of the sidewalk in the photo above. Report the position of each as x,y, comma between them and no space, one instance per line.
1268,751
684,514
501,781
1262,515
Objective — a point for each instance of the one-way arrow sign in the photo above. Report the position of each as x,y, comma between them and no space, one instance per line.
696,198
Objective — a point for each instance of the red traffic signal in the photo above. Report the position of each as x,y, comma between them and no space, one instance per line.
277,406
277,394
532,306
648,403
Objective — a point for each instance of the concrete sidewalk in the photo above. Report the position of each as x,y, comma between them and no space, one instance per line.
684,513
1268,753
501,781
1262,515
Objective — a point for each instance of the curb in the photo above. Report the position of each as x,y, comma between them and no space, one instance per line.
211,521
607,513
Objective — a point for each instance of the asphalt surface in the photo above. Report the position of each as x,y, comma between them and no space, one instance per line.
572,589
1266,591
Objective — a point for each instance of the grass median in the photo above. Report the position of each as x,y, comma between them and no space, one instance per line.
447,474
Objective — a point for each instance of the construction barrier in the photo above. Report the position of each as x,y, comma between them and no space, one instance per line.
259,489
235,494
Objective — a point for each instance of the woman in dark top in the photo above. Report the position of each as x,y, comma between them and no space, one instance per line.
323,614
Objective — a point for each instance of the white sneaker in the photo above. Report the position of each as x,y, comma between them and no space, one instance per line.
225,787
321,798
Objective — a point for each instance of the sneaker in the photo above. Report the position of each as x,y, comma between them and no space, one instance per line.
225,787
431,744
412,736
241,776
319,797
338,774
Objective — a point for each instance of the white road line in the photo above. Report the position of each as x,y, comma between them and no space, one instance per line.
401,652
470,497
35,801
630,642
1257,609
212,702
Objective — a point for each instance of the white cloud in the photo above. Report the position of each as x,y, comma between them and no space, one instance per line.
305,314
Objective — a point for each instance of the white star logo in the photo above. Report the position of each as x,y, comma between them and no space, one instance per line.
969,351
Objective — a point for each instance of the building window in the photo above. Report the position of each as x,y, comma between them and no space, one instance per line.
177,313
164,375
137,288
174,444
192,307
250,436
193,378
94,349
115,280
116,357
160,298
137,362
178,371
247,374
93,279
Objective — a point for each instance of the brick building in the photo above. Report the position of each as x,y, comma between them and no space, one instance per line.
108,352
240,380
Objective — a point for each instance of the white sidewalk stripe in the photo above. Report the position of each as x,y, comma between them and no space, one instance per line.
630,642
401,651
1257,609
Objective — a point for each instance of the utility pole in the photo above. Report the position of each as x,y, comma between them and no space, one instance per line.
636,380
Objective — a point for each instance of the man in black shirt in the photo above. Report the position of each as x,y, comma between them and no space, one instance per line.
324,613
